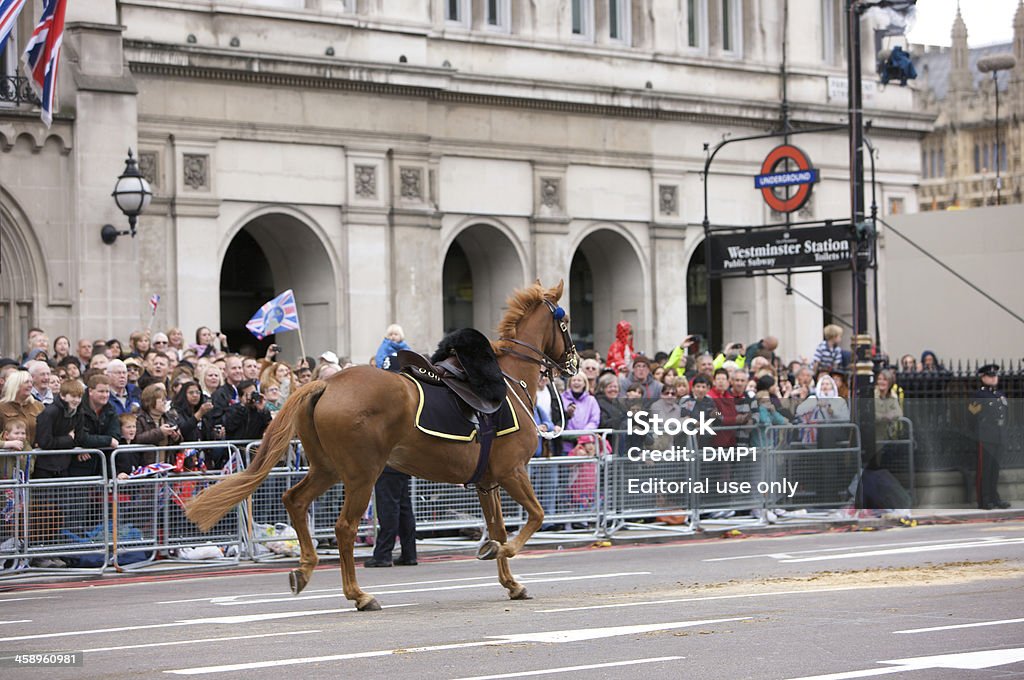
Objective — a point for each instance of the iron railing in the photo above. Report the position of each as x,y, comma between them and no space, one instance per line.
16,90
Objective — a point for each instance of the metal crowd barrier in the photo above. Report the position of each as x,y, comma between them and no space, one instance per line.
825,469
897,456
92,523
47,523
149,517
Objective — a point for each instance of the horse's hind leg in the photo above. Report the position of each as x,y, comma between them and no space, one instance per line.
357,497
490,501
297,500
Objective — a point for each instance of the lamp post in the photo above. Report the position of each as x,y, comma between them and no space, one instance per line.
132,195
994,63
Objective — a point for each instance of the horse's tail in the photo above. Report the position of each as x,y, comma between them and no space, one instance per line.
207,508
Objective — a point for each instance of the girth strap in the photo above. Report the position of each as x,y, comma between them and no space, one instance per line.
485,433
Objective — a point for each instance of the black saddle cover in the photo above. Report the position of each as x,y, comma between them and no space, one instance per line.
442,414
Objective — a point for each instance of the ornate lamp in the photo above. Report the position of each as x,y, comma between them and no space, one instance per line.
132,195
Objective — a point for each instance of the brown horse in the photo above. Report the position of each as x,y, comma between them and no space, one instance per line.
360,420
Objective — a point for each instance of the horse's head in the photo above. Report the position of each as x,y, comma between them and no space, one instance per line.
535,321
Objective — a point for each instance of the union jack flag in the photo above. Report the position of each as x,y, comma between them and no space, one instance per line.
42,54
154,300
280,314
9,10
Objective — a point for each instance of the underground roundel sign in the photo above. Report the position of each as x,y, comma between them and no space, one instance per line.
786,178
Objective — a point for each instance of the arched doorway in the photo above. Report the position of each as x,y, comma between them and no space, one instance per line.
481,268
581,301
19,281
607,279
270,254
697,292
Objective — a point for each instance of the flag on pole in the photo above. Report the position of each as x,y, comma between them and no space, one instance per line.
42,54
9,11
280,314
154,300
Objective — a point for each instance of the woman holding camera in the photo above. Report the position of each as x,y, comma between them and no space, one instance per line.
156,425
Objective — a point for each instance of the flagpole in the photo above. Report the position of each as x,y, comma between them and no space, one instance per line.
302,347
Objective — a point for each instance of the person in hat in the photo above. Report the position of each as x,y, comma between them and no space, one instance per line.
986,414
641,375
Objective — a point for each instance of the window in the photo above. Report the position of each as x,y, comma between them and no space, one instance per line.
731,26
497,15
942,163
924,164
999,156
933,170
833,34
696,23
977,159
619,20
583,18
453,10
985,164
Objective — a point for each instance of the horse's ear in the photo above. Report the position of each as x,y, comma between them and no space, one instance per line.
537,282
556,292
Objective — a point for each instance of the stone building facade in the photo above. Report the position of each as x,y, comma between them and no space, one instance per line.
415,160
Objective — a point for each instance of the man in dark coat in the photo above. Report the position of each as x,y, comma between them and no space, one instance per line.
99,428
56,427
249,417
987,413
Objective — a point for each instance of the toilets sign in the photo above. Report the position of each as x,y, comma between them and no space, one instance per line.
786,178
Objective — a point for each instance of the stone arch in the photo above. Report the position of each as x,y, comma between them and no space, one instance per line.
619,286
294,252
483,263
23,275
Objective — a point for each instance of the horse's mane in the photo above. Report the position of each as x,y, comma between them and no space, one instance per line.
520,303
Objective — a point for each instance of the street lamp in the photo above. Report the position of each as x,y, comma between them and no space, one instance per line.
132,195
994,63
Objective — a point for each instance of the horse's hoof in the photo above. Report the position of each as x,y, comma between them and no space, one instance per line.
371,606
489,550
297,580
519,594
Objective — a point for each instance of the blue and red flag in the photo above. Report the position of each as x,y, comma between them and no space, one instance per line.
280,314
42,54
9,10
154,301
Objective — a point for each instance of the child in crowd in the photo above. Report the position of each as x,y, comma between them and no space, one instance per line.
13,439
127,460
387,353
583,478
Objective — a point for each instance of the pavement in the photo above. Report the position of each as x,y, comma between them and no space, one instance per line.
937,600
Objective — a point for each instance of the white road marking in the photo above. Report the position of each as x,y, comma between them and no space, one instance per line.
568,669
195,641
792,553
247,618
462,586
962,661
700,599
227,598
21,599
962,625
906,550
555,636
4,623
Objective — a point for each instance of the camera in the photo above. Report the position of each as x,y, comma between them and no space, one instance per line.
275,348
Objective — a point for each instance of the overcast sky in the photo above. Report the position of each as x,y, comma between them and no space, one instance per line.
988,21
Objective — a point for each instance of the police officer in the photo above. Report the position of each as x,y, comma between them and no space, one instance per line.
392,494
986,413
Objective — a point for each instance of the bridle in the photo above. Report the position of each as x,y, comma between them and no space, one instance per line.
568,363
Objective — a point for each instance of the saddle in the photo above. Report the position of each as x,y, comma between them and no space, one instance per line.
464,363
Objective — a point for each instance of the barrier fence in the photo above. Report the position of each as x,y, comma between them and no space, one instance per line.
94,524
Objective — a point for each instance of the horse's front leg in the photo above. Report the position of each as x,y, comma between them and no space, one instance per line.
490,501
519,488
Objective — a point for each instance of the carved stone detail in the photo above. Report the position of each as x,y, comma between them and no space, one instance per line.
196,169
366,181
668,199
148,166
550,193
411,183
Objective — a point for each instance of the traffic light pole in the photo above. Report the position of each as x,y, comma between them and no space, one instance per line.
863,388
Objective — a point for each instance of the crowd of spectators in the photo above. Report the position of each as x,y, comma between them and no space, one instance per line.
155,390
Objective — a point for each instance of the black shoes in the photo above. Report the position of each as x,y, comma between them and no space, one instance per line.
402,562
372,562
998,505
